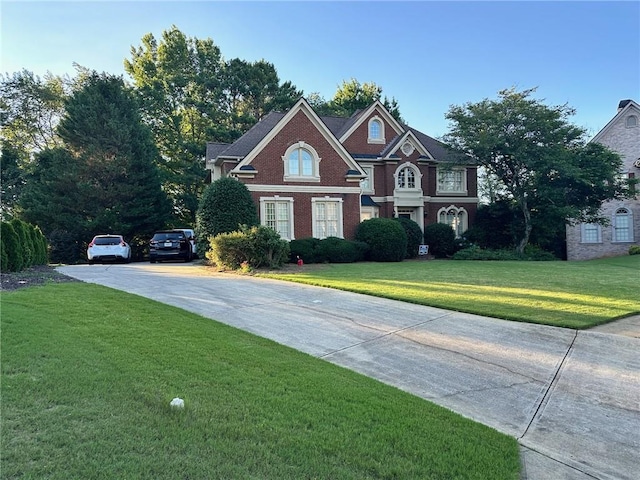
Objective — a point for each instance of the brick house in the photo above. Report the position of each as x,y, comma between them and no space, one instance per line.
587,241
320,176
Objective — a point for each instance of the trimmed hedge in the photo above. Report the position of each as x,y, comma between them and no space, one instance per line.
23,245
330,249
477,253
386,238
414,236
634,250
441,239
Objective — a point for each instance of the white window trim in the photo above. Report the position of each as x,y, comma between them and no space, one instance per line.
370,139
583,233
367,213
339,201
369,169
278,199
629,215
417,175
440,190
315,177
458,210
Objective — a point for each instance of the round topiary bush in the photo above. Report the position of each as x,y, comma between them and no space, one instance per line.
441,239
414,236
338,250
386,238
305,249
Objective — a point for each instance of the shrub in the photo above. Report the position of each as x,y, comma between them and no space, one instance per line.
385,237
64,246
634,250
225,205
13,251
26,248
306,249
267,248
229,250
414,236
250,247
477,253
4,258
338,250
39,253
441,239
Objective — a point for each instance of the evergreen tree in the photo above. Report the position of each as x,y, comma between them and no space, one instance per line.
105,179
225,205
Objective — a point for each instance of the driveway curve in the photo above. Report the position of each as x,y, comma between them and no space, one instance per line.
571,398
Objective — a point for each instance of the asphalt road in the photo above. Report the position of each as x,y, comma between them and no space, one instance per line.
571,398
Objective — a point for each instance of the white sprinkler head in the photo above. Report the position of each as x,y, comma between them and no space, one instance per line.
177,403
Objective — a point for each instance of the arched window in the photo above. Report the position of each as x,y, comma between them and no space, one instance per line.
406,178
623,225
455,217
301,163
632,121
376,130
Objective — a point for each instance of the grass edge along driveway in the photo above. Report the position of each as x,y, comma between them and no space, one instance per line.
88,374
563,294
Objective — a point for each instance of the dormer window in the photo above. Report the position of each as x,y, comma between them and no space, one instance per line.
376,130
301,163
632,121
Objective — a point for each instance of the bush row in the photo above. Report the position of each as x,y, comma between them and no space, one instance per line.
531,253
330,249
22,246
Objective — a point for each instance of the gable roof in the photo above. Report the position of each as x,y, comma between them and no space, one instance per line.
270,129
623,109
360,117
335,129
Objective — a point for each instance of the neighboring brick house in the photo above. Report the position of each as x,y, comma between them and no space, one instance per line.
314,176
587,241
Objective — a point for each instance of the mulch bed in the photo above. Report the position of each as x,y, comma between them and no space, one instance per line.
37,275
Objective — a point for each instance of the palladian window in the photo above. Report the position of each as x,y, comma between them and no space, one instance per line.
301,163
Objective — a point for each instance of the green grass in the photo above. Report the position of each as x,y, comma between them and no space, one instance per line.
566,294
88,374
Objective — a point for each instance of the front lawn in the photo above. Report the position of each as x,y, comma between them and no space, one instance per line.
88,374
566,294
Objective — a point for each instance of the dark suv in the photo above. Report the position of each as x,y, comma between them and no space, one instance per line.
170,245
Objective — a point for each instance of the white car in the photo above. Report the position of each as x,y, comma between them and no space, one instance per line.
191,236
108,247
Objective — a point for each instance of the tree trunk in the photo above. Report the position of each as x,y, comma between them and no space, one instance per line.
526,214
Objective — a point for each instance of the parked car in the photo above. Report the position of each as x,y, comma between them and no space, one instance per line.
192,238
170,245
108,247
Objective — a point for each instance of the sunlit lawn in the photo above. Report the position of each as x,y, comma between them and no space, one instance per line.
88,374
567,294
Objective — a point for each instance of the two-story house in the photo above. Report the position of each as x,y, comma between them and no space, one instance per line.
591,240
320,176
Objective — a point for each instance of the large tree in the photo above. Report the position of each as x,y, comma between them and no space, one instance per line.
30,109
541,160
352,96
189,96
179,83
105,179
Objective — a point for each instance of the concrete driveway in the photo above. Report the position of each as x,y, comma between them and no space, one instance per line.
571,398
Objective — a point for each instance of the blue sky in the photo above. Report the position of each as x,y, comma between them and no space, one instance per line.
428,55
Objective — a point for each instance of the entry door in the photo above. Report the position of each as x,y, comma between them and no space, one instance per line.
409,213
